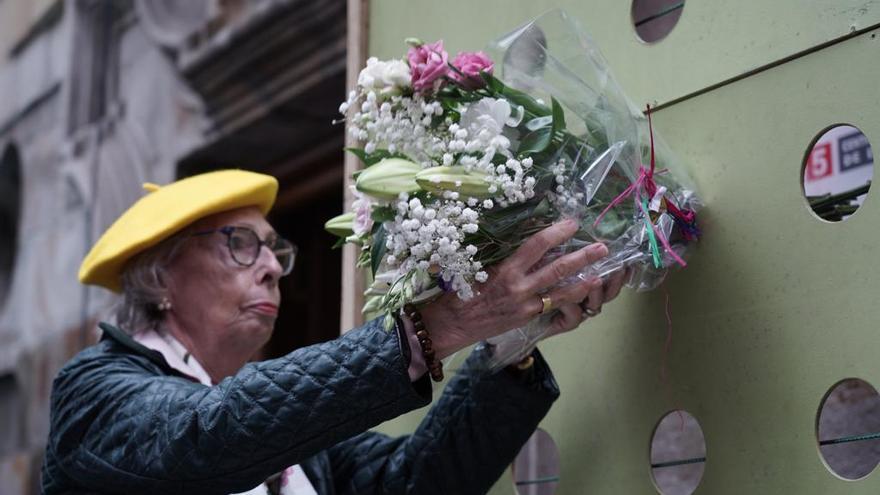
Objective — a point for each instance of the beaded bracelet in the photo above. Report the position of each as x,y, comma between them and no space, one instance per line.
526,363
435,367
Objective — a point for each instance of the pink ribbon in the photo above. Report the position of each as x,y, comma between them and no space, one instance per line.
645,181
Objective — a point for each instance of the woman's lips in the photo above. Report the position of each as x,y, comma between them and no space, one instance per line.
265,308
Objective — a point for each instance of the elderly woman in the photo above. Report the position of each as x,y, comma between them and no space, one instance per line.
167,402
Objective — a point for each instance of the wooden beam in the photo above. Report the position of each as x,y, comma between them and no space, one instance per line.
310,188
353,283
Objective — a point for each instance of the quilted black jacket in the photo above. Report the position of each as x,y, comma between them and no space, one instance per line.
123,421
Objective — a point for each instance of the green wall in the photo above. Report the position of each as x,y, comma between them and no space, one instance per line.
776,306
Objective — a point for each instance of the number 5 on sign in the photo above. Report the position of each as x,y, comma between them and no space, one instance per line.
819,163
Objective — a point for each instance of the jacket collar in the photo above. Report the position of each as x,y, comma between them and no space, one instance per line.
115,334
174,352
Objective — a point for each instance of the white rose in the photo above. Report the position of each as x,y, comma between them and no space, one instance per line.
387,78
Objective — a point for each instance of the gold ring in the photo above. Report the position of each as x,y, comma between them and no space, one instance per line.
546,303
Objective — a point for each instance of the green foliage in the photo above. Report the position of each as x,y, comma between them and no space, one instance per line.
502,230
377,252
382,214
498,88
535,141
370,159
558,117
364,257
497,222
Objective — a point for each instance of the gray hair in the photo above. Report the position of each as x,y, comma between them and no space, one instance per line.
144,280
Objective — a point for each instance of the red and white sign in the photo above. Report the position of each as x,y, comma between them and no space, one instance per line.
841,160
820,163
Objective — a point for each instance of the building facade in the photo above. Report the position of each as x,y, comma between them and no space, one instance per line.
99,96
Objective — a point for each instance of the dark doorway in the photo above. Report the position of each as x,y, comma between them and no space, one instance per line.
310,295
271,96
10,211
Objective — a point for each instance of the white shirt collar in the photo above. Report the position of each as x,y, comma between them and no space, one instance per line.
174,353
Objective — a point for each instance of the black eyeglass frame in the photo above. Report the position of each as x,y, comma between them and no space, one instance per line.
228,230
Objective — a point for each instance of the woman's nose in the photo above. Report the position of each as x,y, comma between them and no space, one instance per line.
269,268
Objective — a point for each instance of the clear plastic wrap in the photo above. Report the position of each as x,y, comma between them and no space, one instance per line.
613,174
467,157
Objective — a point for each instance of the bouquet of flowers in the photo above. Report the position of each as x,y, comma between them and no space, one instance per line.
466,158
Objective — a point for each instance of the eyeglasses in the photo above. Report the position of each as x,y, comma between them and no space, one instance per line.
244,245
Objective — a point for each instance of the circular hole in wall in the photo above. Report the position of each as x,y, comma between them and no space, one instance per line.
678,454
655,19
10,209
848,429
837,172
536,467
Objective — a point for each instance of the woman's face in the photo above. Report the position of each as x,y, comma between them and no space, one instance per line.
226,310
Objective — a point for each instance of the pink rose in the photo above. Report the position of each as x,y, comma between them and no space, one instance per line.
428,64
470,64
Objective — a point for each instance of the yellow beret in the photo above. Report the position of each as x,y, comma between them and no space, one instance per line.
168,209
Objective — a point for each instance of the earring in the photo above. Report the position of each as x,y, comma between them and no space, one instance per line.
164,305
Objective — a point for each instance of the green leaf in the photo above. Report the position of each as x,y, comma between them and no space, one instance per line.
558,116
535,141
373,158
340,241
452,114
450,102
498,221
493,84
542,209
595,136
363,258
377,251
361,154
382,214
530,104
448,91
499,159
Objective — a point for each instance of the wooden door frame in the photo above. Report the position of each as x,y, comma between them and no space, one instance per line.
353,283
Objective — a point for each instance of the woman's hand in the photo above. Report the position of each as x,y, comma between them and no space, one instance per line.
512,295
570,316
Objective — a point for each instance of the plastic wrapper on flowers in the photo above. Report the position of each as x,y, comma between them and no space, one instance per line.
466,158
